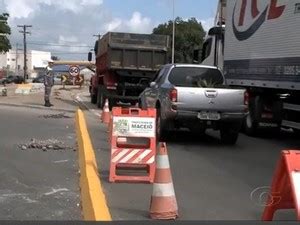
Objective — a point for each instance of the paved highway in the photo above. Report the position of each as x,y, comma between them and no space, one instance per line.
37,184
212,181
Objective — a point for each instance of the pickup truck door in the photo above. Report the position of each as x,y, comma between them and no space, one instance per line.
151,94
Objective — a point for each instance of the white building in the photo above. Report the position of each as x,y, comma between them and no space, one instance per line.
14,61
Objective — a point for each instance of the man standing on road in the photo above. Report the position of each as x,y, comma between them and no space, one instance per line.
48,82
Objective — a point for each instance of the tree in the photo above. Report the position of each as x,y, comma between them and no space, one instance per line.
189,36
4,31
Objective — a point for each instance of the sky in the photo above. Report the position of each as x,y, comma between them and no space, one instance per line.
67,27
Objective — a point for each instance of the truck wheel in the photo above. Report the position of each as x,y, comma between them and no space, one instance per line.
112,103
100,98
93,98
229,133
250,125
251,121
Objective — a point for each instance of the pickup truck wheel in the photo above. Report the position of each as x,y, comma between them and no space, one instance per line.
160,133
229,133
141,105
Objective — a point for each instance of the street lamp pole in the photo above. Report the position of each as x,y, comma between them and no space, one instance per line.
173,35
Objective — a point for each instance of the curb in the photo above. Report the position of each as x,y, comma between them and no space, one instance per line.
38,107
93,201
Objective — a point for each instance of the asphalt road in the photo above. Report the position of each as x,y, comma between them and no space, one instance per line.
212,181
36,184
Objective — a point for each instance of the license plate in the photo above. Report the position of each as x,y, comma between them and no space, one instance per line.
209,116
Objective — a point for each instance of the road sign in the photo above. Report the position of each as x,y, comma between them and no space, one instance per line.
65,78
74,71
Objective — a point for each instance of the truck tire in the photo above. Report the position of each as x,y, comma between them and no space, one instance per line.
251,121
93,98
112,103
250,125
229,133
100,98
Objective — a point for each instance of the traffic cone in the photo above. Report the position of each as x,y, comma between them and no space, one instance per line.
105,117
163,204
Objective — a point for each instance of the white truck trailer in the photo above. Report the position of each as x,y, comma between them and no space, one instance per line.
256,43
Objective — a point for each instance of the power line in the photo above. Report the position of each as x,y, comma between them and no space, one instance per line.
62,45
25,32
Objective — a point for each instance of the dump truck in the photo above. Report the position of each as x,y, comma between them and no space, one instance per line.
256,44
126,63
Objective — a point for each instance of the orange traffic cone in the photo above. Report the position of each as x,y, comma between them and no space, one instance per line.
163,204
105,117
110,128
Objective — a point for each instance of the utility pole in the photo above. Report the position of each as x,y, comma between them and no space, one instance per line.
25,32
97,35
16,69
17,58
173,36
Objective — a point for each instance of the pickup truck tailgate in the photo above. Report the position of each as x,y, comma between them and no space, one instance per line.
210,99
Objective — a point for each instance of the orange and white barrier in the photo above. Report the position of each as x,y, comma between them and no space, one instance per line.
133,144
105,116
285,190
163,204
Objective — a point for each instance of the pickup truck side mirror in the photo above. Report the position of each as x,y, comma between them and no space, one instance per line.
152,84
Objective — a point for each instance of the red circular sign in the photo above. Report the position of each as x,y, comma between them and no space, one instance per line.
74,71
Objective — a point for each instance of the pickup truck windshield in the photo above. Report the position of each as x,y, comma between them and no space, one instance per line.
195,77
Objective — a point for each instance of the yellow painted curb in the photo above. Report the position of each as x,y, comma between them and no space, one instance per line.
93,201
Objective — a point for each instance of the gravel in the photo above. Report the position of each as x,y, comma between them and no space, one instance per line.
56,116
45,145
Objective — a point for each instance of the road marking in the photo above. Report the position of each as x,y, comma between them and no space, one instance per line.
61,161
54,191
93,200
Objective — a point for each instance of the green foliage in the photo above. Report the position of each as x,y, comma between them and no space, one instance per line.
4,32
189,36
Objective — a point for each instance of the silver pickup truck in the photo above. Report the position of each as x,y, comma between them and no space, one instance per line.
195,97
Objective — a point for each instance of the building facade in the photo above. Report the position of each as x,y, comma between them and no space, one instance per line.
13,61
